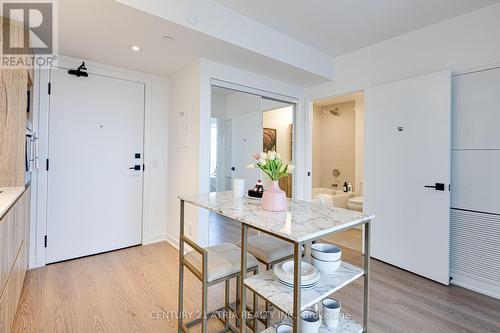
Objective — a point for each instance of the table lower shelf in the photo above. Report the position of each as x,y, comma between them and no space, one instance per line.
345,326
268,288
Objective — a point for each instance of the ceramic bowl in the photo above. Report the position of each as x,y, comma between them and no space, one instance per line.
284,328
326,266
326,252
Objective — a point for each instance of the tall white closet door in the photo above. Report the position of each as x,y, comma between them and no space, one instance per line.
475,213
407,148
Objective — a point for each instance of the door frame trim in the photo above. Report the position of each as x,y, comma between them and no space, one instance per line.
39,223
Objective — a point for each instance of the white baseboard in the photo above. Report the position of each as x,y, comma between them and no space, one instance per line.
481,287
174,241
33,263
155,238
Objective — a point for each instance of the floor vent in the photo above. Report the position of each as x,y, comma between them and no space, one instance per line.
475,251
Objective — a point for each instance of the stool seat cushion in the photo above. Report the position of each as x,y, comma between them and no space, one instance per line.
223,260
268,249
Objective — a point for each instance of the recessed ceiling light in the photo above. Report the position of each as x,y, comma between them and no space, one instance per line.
135,48
168,38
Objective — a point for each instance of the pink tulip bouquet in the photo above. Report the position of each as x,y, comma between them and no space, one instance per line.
273,199
271,164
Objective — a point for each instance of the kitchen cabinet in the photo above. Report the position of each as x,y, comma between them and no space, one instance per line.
14,249
13,114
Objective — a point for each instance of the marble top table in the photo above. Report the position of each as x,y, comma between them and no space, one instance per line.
303,221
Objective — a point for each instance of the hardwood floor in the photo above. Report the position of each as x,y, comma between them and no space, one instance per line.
135,290
223,230
352,239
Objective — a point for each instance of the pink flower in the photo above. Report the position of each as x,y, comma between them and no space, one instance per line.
256,156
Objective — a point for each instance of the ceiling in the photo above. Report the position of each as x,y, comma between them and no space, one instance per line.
103,31
337,27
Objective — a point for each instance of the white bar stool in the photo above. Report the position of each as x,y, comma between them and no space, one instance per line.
213,265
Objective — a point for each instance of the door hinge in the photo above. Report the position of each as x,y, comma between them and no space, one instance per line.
45,241
47,164
144,167
50,88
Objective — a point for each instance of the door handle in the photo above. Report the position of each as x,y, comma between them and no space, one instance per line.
136,167
437,187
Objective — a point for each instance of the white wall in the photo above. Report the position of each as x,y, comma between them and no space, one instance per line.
464,42
183,175
155,153
359,143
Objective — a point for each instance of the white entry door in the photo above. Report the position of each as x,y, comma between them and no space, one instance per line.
407,149
246,139
94,199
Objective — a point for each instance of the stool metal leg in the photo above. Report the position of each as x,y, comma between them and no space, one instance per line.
238,301
255,307
204,297
226,303
268,305
181,270
244,235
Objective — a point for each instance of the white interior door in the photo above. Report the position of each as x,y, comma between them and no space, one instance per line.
94,199
246,139
407,148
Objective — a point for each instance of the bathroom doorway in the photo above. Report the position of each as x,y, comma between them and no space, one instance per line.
338,158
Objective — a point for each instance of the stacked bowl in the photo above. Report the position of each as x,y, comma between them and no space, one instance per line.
326,257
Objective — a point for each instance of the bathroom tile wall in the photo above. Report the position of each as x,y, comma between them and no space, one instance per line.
334,145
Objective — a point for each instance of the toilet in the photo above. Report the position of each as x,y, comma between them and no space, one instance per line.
355,203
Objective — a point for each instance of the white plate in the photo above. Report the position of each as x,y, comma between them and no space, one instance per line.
291,283
308,270
283,279
290,286
309,279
